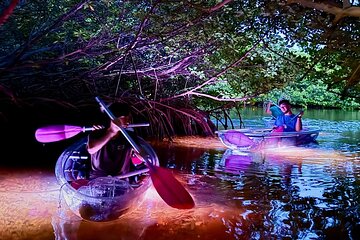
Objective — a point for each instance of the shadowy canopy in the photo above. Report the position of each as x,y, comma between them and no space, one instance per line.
175,62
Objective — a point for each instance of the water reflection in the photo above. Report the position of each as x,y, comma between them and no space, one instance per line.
299,193
153,219
237,162
294,191
310,192
28,199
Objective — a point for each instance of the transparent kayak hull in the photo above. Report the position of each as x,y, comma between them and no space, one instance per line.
269,122
245,139
102,198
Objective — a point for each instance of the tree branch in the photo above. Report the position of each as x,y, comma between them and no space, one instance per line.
353,80
223,99
345,11
210,9
216,75
166,70
17,54
7,12
107,65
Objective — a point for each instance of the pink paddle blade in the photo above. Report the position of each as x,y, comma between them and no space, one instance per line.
56,133
136,161
79,183
238,162
238,138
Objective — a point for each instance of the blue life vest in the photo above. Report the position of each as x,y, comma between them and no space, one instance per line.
288,121
275,111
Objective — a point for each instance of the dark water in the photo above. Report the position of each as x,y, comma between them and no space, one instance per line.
307,192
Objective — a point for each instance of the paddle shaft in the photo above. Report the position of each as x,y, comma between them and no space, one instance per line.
297,115
167,186
122,130
133,125
134,173
301,111
275,104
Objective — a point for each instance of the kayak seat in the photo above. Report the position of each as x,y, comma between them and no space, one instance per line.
77,165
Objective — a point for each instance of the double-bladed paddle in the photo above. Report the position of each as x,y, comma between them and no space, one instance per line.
168,187
298,114
54,133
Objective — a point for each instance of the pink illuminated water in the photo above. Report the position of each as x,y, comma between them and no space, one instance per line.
289,193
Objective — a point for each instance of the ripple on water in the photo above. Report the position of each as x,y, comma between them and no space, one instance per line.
284,193
27,181
28,199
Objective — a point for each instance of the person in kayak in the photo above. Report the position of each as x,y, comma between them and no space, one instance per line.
110,152
287,122
273,110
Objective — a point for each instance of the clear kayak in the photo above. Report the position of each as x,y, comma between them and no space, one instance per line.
234,161
245,139
269,122
102,198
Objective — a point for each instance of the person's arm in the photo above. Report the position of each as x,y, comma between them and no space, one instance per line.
95,144
298,125
268,108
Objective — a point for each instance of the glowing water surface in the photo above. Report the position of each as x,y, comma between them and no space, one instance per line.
307,192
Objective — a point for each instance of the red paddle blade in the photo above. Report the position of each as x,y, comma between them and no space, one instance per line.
274,141
170,189
278,129
56,133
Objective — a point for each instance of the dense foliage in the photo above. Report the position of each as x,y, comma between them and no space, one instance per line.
170,58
